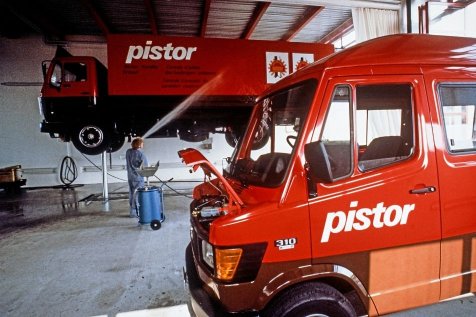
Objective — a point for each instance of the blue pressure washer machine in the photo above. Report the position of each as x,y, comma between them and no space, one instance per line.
150,200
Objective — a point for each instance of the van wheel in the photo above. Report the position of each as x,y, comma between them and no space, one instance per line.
313,299
91,139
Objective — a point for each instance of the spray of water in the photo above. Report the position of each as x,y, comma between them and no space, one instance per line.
184,105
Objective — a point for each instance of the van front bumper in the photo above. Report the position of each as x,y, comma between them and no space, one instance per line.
202,304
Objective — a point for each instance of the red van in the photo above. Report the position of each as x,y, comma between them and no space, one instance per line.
362,201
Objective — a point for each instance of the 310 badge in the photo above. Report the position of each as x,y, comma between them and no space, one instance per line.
285,244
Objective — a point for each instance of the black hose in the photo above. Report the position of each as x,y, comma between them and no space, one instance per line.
164,183
68,171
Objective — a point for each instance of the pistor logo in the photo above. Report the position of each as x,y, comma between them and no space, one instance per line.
361,219
167,52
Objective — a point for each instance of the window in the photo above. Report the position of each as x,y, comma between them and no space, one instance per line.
458,103
336,136
384,124
74,72
264,158
56,75
455,18
345,41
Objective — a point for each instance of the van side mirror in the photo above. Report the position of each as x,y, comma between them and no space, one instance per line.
318,160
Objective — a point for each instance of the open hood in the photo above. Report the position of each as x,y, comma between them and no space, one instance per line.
195,159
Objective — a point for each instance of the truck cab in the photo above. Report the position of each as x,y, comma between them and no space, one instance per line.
73,103
359,202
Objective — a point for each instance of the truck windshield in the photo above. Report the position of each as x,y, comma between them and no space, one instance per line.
263,157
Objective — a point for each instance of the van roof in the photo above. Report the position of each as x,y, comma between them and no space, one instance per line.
391,50
407,49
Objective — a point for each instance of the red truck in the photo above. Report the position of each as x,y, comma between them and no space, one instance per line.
361,202
191,86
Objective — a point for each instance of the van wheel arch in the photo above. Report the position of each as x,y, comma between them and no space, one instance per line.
347,288
309,299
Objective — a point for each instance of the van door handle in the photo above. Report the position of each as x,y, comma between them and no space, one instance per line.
424,190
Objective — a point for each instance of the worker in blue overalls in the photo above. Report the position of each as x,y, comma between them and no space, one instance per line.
135,158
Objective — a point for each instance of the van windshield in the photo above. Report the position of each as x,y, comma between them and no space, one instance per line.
264,155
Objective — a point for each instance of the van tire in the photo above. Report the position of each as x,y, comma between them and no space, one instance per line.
310,299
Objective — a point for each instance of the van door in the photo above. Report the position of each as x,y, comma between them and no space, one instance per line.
455,134
377,214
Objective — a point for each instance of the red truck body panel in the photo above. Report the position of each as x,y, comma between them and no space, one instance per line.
158,65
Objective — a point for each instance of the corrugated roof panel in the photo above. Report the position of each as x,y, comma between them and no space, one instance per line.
179,18
124,16
322,24
228,19
277,20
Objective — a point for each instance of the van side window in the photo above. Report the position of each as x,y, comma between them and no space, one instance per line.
336,133
384,124
458,103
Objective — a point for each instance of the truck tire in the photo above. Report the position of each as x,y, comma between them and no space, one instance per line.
261,136
310,299
232,138
91,139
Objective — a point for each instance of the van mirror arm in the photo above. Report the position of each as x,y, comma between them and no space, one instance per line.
311,183
318,161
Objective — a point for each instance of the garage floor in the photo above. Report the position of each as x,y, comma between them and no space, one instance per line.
62,255
66,253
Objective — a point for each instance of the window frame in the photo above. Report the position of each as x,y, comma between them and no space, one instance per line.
412,121
351,126
439,85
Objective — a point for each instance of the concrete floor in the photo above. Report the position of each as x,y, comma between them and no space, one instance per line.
66,253
62,257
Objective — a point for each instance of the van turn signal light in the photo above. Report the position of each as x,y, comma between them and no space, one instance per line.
226,263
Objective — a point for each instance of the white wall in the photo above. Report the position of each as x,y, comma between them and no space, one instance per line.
21,141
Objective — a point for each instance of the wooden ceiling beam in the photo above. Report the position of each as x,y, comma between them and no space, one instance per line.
151,16
206,12
310,14
256,17
338,32
96,16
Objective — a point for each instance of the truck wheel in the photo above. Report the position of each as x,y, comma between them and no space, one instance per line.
91,139
310,299
262,136
231,138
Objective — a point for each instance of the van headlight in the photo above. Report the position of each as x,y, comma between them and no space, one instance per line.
208,256
223,262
